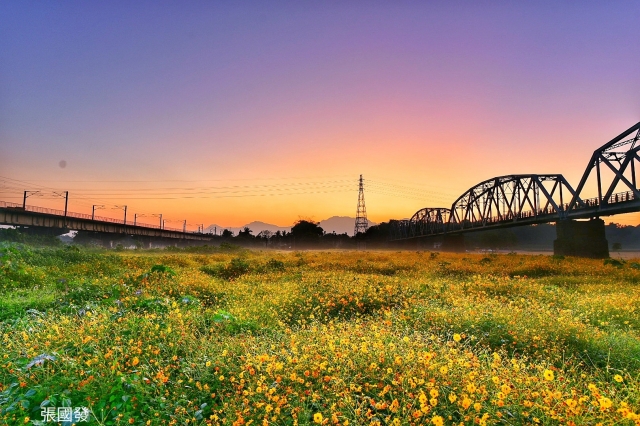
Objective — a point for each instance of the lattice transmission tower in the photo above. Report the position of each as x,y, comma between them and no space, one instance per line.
361,216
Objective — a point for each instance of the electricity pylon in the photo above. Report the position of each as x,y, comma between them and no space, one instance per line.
361,216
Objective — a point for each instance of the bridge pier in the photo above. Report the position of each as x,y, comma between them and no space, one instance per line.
453,243
582,239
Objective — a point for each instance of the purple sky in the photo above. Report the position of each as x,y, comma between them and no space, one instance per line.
438,96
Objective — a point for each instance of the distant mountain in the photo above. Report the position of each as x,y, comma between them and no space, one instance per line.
255,226
340,224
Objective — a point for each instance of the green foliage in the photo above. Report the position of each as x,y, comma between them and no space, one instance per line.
158,271
614,262
15,272
378,269
135,339
226,322
16,236
233,270
275,265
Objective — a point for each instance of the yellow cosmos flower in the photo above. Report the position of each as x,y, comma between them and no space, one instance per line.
466,403
618,378
604,402
548,375
437,420
135,361
317,418
457,337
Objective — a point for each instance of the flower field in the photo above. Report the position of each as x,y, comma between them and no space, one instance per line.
235,337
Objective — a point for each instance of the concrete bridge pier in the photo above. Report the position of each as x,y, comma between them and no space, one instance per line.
581,238
453,243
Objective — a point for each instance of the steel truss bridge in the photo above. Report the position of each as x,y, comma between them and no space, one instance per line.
528,199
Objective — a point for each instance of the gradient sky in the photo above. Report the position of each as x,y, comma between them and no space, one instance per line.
271,110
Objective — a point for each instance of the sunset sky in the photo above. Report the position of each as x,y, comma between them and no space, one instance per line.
229,112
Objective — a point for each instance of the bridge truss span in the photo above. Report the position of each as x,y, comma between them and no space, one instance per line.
530,199
511,199
619,158
430,220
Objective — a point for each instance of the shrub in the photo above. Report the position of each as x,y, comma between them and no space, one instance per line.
234,269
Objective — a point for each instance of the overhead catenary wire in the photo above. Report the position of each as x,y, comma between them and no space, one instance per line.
90,196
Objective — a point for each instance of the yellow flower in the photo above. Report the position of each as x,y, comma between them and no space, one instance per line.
208,363
604,403
457,337
548,375
618,378
437,420
317,418
452,397
466,402
135,361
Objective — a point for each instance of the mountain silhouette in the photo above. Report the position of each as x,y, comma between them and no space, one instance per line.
337,224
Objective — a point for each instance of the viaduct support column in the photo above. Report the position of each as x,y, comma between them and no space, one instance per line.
453,242
582,239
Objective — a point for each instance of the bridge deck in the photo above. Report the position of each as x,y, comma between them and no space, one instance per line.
627,204
16,215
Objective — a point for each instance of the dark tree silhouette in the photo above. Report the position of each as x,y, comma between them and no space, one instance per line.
245,233
306,233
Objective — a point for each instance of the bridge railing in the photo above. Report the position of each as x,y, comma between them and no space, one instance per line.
55,212
620,197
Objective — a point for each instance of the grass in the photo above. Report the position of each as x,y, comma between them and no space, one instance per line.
227,336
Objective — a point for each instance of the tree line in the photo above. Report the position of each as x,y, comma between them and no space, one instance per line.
306,234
